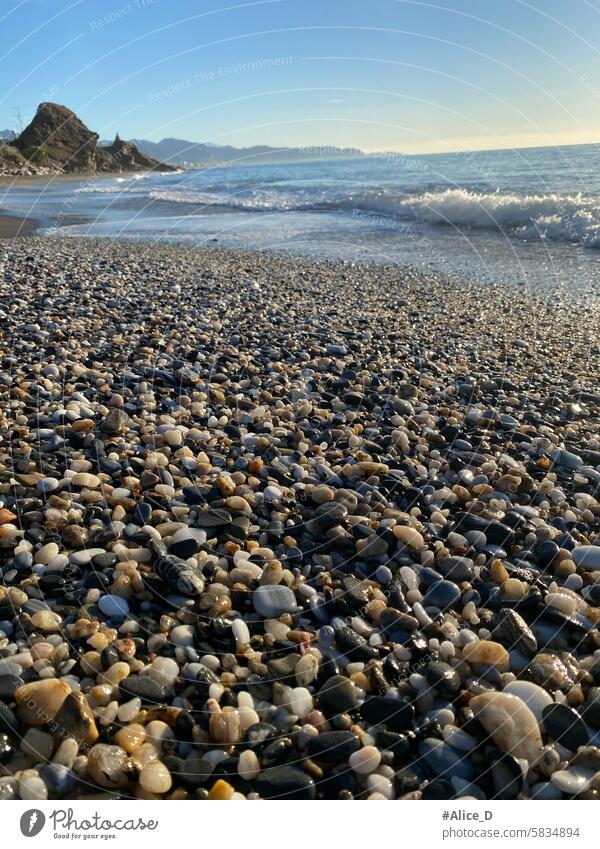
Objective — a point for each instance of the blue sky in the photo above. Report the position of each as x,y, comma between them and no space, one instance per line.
375,74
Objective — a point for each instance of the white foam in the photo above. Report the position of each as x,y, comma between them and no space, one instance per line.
567,218
573,218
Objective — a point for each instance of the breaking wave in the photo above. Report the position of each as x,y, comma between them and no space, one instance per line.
565,218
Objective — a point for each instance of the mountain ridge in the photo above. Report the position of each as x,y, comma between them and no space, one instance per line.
184,153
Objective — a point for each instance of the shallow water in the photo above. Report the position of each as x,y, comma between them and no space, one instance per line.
528,217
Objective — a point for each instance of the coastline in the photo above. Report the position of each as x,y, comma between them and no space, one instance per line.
379,506
46,179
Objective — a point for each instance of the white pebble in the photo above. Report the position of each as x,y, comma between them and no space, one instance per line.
248,765
365,761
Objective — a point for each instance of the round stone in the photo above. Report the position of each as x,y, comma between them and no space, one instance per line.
47,485
40,701
142,687
285,782
587,557
565,726
155,778
534,696
301,702
365,760
338,694
270,601
46,553
165,671
248,765
107,766
441,594
182,635
396,714
408,536
240,631
86,480
114,606
510,723
46,620
572,781
31,785
443,761
332,747
486,653
306,670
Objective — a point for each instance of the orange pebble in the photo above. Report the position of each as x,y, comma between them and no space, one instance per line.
221,791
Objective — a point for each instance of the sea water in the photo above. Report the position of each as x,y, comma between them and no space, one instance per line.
522,217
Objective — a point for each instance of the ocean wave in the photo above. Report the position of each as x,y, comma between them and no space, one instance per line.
566,218
250,200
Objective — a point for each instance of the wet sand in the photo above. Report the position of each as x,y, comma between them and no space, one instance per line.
13,225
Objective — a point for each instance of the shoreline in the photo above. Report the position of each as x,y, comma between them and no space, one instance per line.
44,179
376,491
14,226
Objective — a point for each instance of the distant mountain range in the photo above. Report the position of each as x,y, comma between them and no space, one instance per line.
189,154
56,141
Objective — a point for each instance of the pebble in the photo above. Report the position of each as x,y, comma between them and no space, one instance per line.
113,606
31,785
84,479
182,635
301,702
534,696
290,551
332,747
106,766
444,761
76,719
155,778
512,631
142,687
587,557
338,695
285,782
272,601
572,781
487,653
365,760
46,620
40,701
248,765
510,723
442,594
565,726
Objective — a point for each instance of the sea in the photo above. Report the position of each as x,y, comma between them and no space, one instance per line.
528,217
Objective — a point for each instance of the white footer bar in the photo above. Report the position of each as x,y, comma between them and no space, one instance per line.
299,825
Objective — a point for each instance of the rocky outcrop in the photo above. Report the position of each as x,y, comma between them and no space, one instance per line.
57,141
125,156
13,163
57,137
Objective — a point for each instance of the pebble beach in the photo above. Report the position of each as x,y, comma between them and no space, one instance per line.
281,528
